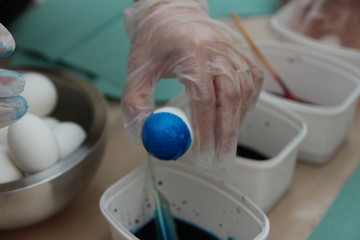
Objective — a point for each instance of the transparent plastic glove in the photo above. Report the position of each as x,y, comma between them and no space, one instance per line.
12,106
177,38
338,17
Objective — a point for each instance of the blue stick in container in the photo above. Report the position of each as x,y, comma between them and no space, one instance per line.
166,135
164,220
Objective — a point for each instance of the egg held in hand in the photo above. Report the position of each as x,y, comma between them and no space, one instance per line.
166,134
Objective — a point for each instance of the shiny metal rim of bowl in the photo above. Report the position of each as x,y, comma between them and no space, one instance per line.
95,133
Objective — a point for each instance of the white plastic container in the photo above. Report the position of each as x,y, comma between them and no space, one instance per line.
289,14
331,83
276,133
194,196
273,132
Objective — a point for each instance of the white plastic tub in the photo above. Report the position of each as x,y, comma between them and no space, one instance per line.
289,14
276,133
194,196
328,81
273,132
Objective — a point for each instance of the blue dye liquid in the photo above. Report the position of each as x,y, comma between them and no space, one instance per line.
185,231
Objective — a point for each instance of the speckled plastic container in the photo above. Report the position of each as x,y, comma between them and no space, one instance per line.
331,84
274,132
193,194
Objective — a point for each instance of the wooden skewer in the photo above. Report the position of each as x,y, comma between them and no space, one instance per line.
287,93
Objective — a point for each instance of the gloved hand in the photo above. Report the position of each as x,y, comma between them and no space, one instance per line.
177,38
12,106
339,17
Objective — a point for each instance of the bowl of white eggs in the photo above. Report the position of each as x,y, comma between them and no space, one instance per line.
50,155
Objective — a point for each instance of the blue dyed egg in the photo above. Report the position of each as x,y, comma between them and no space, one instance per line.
166,135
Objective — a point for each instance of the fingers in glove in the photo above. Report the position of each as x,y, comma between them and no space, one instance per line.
238,88
11,109
11,83
228,111
198,80
320,17
350,34
137,100
7,43
253,76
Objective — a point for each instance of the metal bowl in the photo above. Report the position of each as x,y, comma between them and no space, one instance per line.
38,196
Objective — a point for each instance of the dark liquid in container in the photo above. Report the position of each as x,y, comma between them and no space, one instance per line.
185,231
246,152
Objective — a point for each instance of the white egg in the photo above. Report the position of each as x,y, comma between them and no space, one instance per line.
40,93
3,136
51,122
32,144
8,170
70,136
